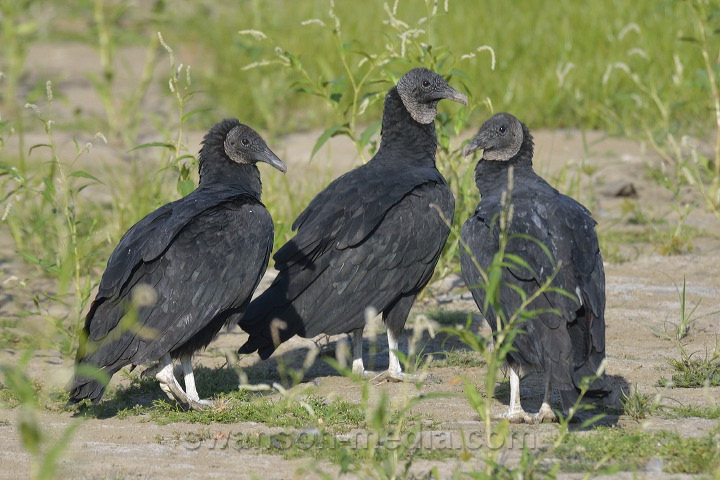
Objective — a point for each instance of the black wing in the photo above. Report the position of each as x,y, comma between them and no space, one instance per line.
207,272
346,258
152,235
570,342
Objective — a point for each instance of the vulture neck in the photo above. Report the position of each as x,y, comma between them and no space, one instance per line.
221,171
404,138
491,176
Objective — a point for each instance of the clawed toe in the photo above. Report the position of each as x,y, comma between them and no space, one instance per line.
200,404
545,416
518,417
399,377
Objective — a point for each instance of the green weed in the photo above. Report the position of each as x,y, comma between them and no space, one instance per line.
457,357
687,316
692,411
693,372
625,449
53,232
639,405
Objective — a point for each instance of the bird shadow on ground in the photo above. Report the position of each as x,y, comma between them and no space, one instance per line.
290,365
532,386
145,391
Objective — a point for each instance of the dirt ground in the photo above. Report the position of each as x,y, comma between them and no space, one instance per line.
641,297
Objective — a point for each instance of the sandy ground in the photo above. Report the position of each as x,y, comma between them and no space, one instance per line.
640,292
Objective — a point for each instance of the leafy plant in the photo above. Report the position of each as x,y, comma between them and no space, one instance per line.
50,230
639,405
122,111
687,316
693,372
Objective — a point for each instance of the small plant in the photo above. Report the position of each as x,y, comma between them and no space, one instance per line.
53,231
122,111
639,405
693,372
687,316
179,159
631,449
390,448
457,357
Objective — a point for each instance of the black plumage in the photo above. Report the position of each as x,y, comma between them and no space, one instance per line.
369,240
183,271
567,338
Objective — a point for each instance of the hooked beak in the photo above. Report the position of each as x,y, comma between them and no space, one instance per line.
477,143
452,94
267,156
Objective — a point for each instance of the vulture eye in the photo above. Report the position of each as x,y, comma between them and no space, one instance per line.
245,142
502,129
425,83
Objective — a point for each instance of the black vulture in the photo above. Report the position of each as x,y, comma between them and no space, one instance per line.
566,336
182,272
370,240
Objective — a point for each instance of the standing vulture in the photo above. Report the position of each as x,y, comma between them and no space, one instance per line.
182,272
370,240
566,335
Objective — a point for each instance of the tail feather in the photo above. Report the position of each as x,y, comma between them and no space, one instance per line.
599,393
269,322
90,381
92,390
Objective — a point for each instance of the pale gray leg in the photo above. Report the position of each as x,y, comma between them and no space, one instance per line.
166,376
394,372
546,414
515,413
358,367
171,387
193,398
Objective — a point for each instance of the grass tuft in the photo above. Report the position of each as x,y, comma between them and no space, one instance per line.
693,372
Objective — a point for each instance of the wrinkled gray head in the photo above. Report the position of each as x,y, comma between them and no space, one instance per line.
500,138
421,89
244,145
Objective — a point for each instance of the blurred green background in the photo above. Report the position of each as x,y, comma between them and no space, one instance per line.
559,64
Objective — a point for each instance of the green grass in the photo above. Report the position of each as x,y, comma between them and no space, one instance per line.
559,81
638,405
448,317
457,357
628,449
336,415
694,372
693,411
143,396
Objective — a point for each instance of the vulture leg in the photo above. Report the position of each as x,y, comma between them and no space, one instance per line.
192,395
170,385
395,318
166,376
358,367
394,372
515,413
546,414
